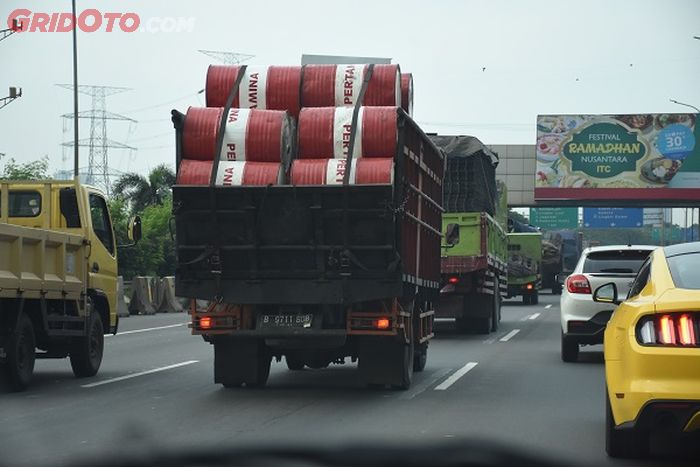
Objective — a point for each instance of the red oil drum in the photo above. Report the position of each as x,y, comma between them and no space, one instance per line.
273,87
324,133
340,85
364,171
240,173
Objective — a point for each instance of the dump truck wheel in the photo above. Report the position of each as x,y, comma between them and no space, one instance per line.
21,354
86,354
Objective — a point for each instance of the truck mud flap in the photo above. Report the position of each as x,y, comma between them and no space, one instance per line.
240,361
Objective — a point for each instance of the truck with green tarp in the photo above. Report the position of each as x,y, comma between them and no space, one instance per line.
473,267
524,264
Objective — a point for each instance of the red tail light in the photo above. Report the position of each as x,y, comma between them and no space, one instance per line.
578,283
453,280
205,322
672,329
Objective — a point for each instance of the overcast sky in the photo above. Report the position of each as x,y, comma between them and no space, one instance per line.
484,68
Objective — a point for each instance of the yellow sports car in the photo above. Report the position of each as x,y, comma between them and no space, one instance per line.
652,352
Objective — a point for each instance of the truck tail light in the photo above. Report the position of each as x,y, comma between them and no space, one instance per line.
578,283
382,323
672,329
205,322
453,280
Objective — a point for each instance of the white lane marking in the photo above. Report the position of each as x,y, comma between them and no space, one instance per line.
547,307
135,331
455,376
490,341
419,389
136,375
510,335
535,316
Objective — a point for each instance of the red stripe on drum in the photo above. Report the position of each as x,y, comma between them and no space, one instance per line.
318,87
193,172
199,134
315,133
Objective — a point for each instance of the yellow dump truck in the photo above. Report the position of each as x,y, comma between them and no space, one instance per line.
58,276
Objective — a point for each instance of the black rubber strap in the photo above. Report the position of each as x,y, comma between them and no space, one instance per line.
222,124
355,118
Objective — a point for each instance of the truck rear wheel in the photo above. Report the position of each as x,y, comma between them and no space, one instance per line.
420,357
388,360
240,362
21,354
294,362
86,353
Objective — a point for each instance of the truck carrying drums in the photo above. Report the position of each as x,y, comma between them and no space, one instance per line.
318,237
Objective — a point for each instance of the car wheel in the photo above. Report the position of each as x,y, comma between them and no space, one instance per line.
569,349
626,443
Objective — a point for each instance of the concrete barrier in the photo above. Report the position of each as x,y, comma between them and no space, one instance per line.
143,292
166,301
122,307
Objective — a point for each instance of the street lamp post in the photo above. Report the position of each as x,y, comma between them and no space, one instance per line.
76,122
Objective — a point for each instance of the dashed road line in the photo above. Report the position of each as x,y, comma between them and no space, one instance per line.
420,388
136,331
547,307
510,335
535,316
136,375
455,376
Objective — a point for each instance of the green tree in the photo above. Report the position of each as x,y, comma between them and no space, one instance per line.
34,170
154,255
140,192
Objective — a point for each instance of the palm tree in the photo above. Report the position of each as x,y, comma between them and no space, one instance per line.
141,192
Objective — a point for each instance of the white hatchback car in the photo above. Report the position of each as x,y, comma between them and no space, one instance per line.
583,320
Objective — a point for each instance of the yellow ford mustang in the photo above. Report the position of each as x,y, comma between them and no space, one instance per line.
652,352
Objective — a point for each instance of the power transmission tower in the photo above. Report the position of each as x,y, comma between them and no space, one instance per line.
16,26
227,58
98,173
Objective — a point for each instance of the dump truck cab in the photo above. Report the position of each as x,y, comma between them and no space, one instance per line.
73,208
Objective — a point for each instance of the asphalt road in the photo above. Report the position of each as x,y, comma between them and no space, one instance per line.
155,391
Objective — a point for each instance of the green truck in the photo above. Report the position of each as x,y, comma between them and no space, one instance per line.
473,266
524,263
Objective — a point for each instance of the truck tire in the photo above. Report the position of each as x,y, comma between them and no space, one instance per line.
386,361
420,357
294,362
526,299
21,354
496,319
239,362
463,325
484,325
569,349
86,353
535,297
557,289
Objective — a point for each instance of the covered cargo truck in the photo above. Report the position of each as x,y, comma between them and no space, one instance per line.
524,263
473,261
58,277
319,272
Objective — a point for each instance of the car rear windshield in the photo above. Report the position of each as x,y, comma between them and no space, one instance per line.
684,270
615,261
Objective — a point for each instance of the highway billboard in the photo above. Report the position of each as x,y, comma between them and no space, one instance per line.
618,157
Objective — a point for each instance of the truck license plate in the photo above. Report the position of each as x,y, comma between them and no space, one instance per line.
286,320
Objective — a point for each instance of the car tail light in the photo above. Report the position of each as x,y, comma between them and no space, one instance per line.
671,329
578,283
453,280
